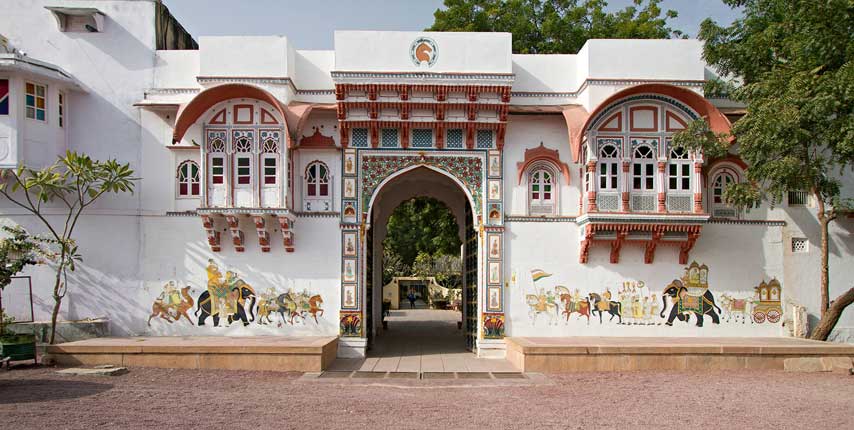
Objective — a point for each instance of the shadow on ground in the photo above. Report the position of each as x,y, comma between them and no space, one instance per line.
42,390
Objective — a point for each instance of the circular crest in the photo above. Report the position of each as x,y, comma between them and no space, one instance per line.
424,52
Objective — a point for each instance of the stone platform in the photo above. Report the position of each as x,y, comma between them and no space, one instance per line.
584,354
303,354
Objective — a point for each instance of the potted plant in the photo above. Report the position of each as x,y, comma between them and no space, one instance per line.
17,251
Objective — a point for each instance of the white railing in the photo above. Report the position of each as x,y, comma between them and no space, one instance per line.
680,202
608,201
644,202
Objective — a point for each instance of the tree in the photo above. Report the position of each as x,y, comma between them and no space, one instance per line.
392,265
556,26
17,251
422,225
75,181
793,63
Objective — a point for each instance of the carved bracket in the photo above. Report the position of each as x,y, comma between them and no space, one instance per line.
263,235
287,225
685,248
236,234
213,235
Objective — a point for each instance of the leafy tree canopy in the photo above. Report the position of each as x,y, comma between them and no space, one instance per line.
556,26
422,225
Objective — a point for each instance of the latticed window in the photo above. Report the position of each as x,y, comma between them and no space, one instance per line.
270,162
643,168
800,245
484,139
389,138
188,179
216,148
317,180
455,138
541,192
422,138
243,145
360,138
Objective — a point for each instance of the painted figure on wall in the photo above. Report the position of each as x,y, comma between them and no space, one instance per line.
541,302
171,304
573,303
767,301
603,303
225,298
299,305
691,295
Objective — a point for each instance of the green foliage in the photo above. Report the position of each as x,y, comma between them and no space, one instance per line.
74,182
17,252
422,225
794,61
422,267
556,26
392,265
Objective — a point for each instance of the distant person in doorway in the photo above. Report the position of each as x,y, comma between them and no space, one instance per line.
411,297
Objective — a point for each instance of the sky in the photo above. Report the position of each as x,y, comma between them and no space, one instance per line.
310,24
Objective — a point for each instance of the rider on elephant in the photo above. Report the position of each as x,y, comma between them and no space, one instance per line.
218,290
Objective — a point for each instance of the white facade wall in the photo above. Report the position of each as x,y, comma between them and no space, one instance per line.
134,244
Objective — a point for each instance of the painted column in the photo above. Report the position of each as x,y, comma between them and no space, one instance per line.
697,186
492,246
625,186
594,185
662,186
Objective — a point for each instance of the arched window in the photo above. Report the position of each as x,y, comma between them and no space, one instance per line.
189,179
542,194
609,157
721,178
643,168
317,180
679,170
270,162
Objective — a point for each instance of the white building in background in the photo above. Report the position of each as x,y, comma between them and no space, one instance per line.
268,174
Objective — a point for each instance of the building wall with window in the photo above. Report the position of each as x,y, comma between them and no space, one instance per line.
243,147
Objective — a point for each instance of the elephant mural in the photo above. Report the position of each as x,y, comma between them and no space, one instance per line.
685,303
225,298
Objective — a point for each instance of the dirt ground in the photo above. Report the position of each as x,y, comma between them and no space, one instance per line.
39,398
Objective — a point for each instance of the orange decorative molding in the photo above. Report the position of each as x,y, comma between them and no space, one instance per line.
267,117
718,122
668,116
189,113
615,118
541,153
219,118
729,158
620,235
263,235
317,140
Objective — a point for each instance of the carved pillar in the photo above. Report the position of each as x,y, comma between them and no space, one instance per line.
236,234
470,136
499,136
404,135
375,138
591,193
263,235
440,135
345,135
662,184
625,187
697,185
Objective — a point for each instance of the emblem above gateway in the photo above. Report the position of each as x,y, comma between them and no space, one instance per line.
423,52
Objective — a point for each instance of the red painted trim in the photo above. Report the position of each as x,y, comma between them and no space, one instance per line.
729,158
633,109
189,113
619,117
236,108
668,115
267,117
718,122
541,153
219,118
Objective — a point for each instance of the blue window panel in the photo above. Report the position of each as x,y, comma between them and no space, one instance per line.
422,138
360,138
39,114
31,100
455,138
484,139
389,138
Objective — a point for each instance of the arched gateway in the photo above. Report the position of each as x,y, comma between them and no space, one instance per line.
383,179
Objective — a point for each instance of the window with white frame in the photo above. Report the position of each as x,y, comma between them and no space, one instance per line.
189,179
609,162
216,152
243,163
270,162
720,181
643,168
36,101
541,191
679,170
317,180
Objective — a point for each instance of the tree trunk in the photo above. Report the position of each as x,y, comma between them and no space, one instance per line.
57,302
824,222
829,318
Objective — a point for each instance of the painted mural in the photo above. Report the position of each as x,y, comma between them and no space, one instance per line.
228,299
687,299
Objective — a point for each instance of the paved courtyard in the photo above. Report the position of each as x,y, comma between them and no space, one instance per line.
38,398
422,340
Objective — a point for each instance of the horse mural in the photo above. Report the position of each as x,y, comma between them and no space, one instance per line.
736,309
542,303
573,303
605,304
299,305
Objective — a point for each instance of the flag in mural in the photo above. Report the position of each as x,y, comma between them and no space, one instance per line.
538,274
4,97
